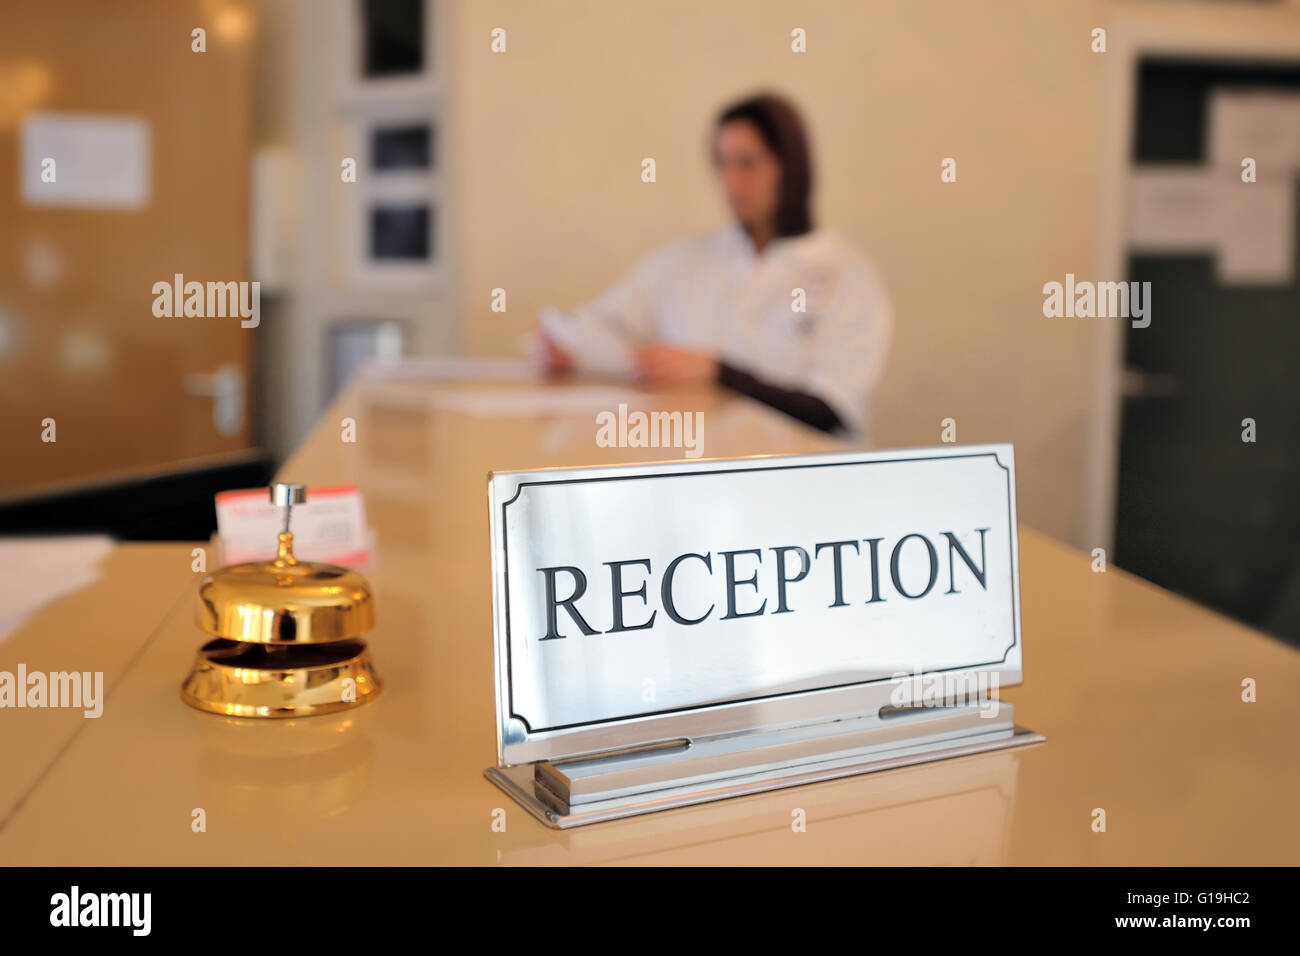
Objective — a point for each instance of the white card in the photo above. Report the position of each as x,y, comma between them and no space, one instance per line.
329,527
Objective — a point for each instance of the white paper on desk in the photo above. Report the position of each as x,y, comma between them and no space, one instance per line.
1264,125
329,527
596,345
37,571
448,368
1256,226
542,400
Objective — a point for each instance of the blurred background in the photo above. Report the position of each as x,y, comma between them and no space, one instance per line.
519,170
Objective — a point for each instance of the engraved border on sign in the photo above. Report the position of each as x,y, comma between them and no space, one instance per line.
505,552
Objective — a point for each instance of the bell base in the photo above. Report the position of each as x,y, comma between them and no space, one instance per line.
237,679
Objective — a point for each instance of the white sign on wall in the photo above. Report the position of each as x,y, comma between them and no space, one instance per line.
87,161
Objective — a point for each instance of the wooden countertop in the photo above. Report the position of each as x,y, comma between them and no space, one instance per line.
1138,692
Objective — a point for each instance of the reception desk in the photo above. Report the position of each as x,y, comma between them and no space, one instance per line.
1138,692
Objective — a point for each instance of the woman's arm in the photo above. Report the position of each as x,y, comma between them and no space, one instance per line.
673,365
805,406
851,342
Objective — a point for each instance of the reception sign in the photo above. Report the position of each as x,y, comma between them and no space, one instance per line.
642,605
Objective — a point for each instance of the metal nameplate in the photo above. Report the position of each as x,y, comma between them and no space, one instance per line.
641,605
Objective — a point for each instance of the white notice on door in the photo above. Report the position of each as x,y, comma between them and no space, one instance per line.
1256,229
1261,124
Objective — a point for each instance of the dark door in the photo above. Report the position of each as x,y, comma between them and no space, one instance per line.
1199,511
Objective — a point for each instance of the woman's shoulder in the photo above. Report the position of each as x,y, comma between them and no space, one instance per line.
694,248
826,249
826,244
714,242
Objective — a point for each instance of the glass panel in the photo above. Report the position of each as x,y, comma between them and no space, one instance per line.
402,147
393,37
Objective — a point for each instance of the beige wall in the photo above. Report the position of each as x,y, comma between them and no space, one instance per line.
551,136
545,143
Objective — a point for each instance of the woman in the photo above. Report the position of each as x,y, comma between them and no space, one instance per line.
769,306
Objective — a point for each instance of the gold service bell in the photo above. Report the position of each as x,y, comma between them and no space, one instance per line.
287,634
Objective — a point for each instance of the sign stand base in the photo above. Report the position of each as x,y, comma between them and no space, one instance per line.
577,791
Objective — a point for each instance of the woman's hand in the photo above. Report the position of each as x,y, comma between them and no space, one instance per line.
555,360
672,365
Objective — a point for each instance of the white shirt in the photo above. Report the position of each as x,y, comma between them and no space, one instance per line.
714,292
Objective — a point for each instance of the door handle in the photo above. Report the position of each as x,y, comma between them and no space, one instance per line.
1139,383
225,387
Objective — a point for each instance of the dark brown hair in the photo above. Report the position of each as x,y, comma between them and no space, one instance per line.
781,128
